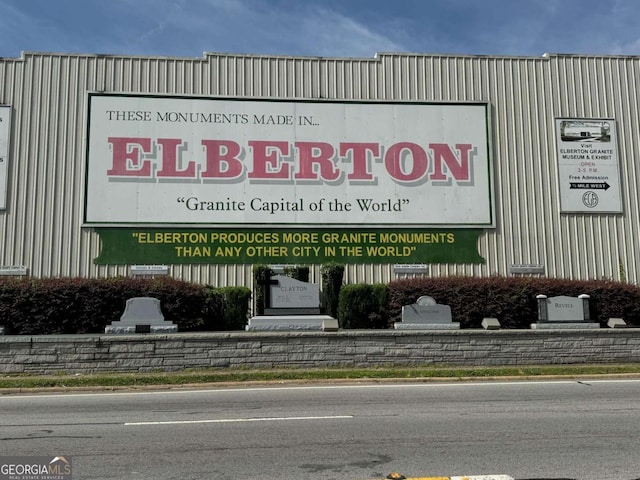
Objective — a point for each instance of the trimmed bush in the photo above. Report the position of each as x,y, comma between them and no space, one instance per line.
236,307
332,275
76,305
261,275
512,300
363,306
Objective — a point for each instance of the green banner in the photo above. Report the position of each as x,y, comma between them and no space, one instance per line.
140,246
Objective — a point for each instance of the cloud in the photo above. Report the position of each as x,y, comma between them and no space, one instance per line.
328,28
177,27
20,30
328,33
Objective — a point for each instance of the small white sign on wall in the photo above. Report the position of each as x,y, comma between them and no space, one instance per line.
5,120
588,169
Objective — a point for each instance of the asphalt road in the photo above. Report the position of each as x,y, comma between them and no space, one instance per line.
586,430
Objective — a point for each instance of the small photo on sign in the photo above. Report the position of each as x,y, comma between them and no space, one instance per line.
585,131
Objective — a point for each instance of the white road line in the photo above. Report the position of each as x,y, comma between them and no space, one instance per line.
240,420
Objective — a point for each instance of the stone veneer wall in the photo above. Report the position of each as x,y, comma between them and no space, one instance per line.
170,352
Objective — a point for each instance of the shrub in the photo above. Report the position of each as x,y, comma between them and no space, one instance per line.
76,305
363,306
512,300
332,275
261,276
236,307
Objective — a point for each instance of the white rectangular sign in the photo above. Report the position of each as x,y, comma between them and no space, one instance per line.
588,165
236,162
5,132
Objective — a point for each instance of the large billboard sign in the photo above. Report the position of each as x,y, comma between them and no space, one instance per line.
5,131
220,162
588,165
148,245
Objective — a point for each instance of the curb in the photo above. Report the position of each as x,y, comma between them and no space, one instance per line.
61,388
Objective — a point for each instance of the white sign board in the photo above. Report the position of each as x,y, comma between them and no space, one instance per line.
149,270
588,165
5,131
235,162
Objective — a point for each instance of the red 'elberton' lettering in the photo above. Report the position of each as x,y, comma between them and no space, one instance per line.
265,160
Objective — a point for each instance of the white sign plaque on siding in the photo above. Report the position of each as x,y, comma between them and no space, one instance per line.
588,168
247,162
5,131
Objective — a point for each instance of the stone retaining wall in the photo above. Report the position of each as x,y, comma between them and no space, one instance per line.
170,352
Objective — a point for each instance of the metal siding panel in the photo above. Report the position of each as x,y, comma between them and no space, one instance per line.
10,234
41,227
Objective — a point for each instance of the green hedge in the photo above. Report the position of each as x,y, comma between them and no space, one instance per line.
332,275
236,307
261,276
512,300
363,306
76,305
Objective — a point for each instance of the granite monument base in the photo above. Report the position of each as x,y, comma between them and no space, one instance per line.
564,325
111,329
291,322
426,326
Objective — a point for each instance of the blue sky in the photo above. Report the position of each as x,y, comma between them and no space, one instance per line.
329,28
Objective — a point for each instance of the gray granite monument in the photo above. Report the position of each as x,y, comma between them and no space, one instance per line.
563,312
292,305
142,315
426,314
289,296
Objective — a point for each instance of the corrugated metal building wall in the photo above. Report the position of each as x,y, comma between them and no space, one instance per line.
41,227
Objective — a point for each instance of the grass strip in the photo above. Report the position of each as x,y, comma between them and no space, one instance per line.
217,376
